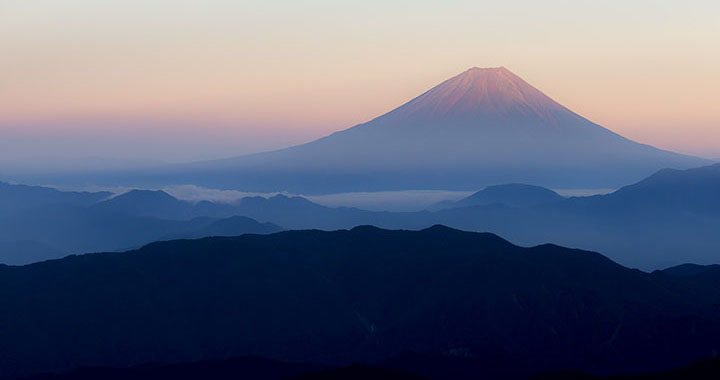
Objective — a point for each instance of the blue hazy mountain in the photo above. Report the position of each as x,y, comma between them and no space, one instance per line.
232,226
671,217
39,223
14,198
364,295
485,126
157,203
514,195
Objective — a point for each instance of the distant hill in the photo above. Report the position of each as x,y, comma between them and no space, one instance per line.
364,295
15,198
159,204
232,226
40,223
55,231
690,191
691,270
514,195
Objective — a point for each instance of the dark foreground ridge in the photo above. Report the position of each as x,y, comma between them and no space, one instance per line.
251,368
465,303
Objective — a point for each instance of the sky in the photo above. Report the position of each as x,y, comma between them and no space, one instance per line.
130,81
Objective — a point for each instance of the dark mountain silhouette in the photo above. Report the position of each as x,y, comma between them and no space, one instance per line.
359,372
515,195
252,368
364,295
245,368
690,269
707,369
484,126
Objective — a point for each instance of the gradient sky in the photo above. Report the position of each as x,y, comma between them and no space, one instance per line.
178,80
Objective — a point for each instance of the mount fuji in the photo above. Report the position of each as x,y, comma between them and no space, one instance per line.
484,126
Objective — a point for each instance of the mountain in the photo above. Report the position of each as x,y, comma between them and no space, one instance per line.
145,203
693,190
15,198
690,269
232,226
484,126
514,195
39,224
667,219
245,368
51,233
157,203
251,368
706,369
364,295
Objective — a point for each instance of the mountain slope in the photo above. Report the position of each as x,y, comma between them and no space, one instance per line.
481,127
14,198
353,296
514,195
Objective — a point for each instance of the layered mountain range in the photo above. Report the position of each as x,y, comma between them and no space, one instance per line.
669,218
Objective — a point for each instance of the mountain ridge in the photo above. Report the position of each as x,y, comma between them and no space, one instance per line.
360,295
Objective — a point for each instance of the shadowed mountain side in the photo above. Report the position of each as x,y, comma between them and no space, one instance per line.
354,296
481,127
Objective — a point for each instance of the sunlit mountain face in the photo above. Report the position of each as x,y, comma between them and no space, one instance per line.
481,127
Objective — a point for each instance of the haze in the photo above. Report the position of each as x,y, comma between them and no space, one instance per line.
188,80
